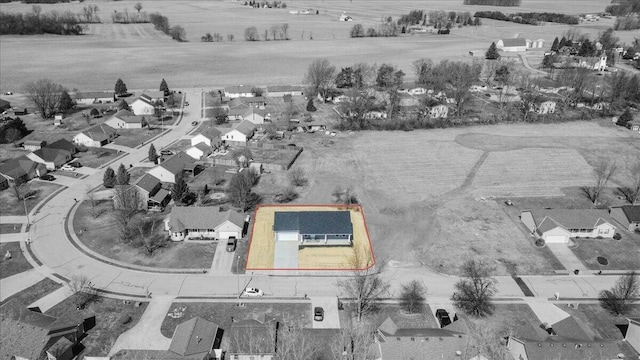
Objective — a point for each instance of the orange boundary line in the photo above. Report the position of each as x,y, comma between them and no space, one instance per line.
366,229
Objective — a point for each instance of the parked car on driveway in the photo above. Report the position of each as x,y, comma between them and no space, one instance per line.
231,244
47,177
75,164
443,317
318,313
166,152
67,167
252,292
194,123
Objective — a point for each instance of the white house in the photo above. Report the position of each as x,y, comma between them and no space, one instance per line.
125,119
514,44
282,90
557,226
96,136
203,222
199,151
233,92
33,145
212,137
597,63
535,44
94,97
143,105
239,134
254,115
167,171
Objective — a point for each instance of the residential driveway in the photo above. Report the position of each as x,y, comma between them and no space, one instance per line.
145,335
546,311
62,180
441,303
13,219
222,259
331,317
7,238
18,282
52,299
568,259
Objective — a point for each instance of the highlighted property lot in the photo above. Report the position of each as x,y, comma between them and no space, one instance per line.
320,237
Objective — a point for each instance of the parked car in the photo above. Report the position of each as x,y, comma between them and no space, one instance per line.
318,313
47,177
443,317
252,292
194,123
8,93
166,152
76,164
232,242
67,167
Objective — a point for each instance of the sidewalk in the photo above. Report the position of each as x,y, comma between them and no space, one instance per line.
14,284
13,219
145,335
7,238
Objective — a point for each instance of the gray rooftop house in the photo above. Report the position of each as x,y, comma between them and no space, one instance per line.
314,228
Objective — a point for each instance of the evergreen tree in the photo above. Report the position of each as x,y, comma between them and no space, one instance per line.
492,52
121,87
555,45
624,118
562,43
123,105
587,49
122,176
109,178
153,155
164,87
66,103
180,190
310,106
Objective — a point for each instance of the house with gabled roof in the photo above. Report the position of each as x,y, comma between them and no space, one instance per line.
168,170
143,105
627,215
94,97
186,222
148,189
4,105
196,338
236,112
21,169
239,134
96,136
211,137
255,101
513,44
283,90
233,92
254,115
559,225
632,336
33,145
52,158
63,144
125,119
199,151
314,228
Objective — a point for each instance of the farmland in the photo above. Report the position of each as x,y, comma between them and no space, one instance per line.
141,55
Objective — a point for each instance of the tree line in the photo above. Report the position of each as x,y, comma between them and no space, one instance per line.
532,18
274,32
623,8
493,2
36,22
161,22
627,22
437,18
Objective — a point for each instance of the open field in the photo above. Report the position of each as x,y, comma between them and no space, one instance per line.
262,244
137,52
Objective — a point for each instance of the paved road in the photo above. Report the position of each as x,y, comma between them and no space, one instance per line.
51,246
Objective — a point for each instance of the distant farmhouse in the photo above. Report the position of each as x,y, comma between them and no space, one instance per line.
519,44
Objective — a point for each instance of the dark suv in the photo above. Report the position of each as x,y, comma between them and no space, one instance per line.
318,314
231,244
47,177
443,317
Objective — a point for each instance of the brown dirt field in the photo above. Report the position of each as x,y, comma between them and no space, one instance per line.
262,245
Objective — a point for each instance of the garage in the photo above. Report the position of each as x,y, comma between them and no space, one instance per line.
556,239
287,236
225,235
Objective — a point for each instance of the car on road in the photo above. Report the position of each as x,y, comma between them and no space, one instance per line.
75,164
8,93
232,242
443,317
194,123
253,292
166,152
67,167
47,177
318,313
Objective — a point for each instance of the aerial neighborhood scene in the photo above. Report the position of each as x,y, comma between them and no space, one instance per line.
320,179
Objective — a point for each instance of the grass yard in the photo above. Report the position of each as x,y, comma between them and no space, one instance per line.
135,137
273,156
10,228
96,157
402,319
262,243
35,292
600,321
622,254
223,313
113,317
10,205
179,255
17,264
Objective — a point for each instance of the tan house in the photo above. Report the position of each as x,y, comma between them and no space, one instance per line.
240,134
558,226
168,170
144,105
210,223
94,97
233,92
199,151
96,136
628,216
211,137
125,119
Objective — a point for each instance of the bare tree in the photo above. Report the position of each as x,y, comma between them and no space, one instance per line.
138,7
631,193
297,177
83,290
45,95
150,241
620,298
363,286
475,290
345,196
93,202
412,297
320,76
603,171
295,342
486,340
126,203
355,342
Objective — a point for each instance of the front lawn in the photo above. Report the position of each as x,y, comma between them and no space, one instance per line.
96,157
11,206
113,317
99,235
10,228
224,313
135,137
35,292
622,254
600,321
17,264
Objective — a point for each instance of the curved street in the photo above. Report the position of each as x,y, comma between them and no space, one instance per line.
51,246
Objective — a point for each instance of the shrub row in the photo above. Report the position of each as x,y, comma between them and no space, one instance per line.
493,2
529,18
66,23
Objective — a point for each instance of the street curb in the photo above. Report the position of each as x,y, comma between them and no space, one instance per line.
71,236
113,160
